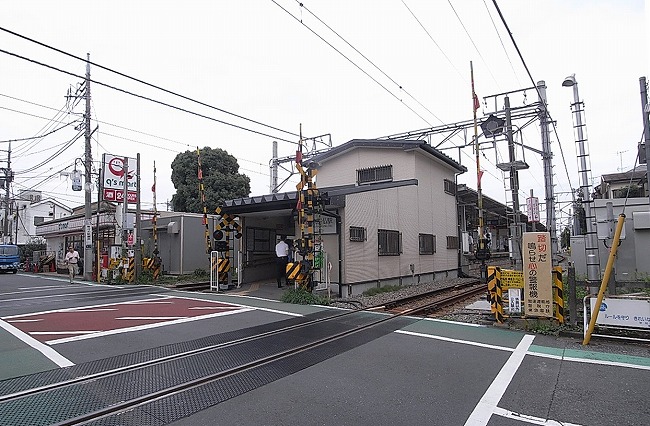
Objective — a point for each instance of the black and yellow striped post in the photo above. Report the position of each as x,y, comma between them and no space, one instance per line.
495,292
492,287
499,298
223,268
128,271
558,294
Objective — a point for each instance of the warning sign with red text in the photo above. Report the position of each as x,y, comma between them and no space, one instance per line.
538,278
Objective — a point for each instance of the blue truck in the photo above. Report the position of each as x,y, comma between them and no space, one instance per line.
9,258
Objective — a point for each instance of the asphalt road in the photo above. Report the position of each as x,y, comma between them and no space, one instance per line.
427,372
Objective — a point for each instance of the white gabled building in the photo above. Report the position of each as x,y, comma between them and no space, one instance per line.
32,209
390,217
397,206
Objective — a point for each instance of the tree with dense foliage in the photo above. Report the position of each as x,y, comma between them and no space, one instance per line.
221,180
565,238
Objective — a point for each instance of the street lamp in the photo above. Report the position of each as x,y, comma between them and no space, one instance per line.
591,243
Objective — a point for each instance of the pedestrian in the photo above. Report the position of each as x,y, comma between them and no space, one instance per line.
71,259
282,253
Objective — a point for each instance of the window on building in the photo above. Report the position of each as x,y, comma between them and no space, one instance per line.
450,187
375,174
389,243
260,240
357,233
38,219
427,243
452,242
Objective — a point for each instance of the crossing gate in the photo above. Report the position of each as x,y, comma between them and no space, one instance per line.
219,268
515,280
128,269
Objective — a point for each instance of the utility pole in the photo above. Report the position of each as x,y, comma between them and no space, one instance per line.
8,179
514,188
88,245
125,204
645,109
547,157
137,233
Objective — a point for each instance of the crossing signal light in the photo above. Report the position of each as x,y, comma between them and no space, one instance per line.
220,243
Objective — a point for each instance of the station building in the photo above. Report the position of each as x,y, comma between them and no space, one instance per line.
390,217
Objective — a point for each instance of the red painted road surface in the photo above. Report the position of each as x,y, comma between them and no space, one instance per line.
69,323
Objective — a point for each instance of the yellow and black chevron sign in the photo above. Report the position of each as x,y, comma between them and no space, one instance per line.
558,294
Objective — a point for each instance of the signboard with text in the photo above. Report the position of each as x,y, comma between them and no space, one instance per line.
113,175
532,209
538,278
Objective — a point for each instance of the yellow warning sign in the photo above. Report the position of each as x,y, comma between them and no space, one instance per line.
511,279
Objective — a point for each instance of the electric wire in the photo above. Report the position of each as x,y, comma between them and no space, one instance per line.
530,76
474,44
146,98
434,41
146,83
502,45
353,63
56,154
302,5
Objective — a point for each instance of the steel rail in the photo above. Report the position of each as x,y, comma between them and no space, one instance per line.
124,406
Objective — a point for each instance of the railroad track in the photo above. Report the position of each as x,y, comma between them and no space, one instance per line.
136,388
433,301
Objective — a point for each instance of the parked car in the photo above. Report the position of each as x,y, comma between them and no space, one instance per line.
9,258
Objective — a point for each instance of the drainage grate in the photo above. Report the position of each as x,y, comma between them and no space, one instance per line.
23,383
72,401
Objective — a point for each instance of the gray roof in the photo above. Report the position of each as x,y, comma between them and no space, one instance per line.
396,144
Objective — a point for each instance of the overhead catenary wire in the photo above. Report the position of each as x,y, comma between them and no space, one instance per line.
353,63
302,5
530,76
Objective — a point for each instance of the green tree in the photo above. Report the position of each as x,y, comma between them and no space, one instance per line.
579,211
565,238
221,180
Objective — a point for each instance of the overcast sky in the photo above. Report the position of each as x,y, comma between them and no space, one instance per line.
254,59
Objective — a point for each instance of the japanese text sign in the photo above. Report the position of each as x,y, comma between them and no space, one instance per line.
538,278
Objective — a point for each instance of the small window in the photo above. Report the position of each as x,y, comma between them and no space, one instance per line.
357,233
427,243
450,187
389,243
375,174
38,220
452,242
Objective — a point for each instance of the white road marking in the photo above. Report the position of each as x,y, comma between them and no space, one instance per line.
488,403
454,322
142,327
47,351
449,339
530,419
213,307
93,309
275,311
61,333
25,320
75,309
591,361
149,318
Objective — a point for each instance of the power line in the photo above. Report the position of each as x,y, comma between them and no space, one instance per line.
474,44
302,5
146,83
530,76
352,62
434,42
145,97
501,41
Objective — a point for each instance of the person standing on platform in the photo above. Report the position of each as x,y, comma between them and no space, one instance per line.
282,253
71,259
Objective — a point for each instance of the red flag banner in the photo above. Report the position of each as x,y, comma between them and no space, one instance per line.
480,175
477,104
